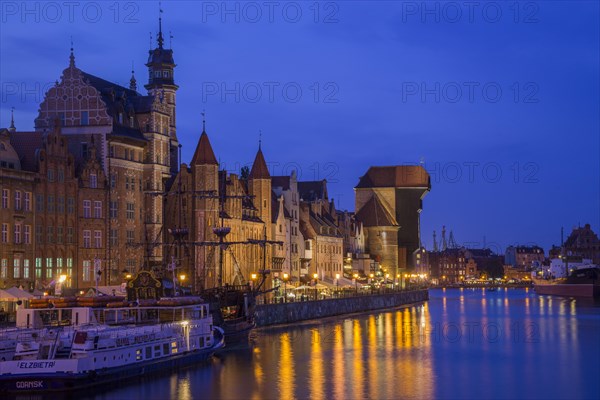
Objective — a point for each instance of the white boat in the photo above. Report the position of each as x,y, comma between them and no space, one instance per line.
160,337
36,325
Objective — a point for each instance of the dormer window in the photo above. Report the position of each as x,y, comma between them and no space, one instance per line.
131,122
165,74
157,74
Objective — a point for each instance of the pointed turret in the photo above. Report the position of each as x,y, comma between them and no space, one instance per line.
259,167
12,120
259,186
72,56
132,81
204,153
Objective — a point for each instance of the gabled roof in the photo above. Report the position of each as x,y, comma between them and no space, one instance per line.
281,181
373,213
102,85
313,190
26,145
399,176
259,168
204,153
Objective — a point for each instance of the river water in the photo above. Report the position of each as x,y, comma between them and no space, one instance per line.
462,343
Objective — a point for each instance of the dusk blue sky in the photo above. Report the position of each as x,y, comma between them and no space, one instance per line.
368,62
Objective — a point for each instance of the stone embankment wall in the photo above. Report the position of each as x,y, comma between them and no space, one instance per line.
285,313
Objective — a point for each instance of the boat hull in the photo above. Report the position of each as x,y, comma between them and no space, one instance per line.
55,381
570,290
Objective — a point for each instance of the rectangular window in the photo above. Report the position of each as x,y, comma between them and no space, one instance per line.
49,272
4,233
69,266
69,235
50,203
126,183
60,208
114,241
93,181
98,239
17,200
87,238
113,209
18,233
59,266
87,266
50,234
87,209
50,175
113,180
84,150
38,268
59,235
70,205
39,238
130,211
61,175
27,201
5,198
97,209
27,234
39,202
130,236
26,269
85,118
4,269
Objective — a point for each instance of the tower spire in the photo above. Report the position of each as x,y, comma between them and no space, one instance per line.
132,81
160,35
12,120
259,139
72,56
203,122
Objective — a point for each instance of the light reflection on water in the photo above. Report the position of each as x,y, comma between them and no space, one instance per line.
460,344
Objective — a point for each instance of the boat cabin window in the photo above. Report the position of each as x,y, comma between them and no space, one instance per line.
201,341
173,347
148,353
165,348
138,354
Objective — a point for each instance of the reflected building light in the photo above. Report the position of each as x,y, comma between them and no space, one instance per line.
286,367
357,367
339,367
317,377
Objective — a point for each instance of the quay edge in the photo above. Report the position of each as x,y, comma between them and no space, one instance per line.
286,313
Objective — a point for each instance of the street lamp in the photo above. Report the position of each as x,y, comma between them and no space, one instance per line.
61,281
285,278
253,277
356,282
315,276
337,283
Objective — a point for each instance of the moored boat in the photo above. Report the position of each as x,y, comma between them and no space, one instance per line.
583,282
180,335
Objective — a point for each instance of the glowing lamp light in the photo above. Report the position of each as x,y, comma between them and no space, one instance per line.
62,278
253,277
